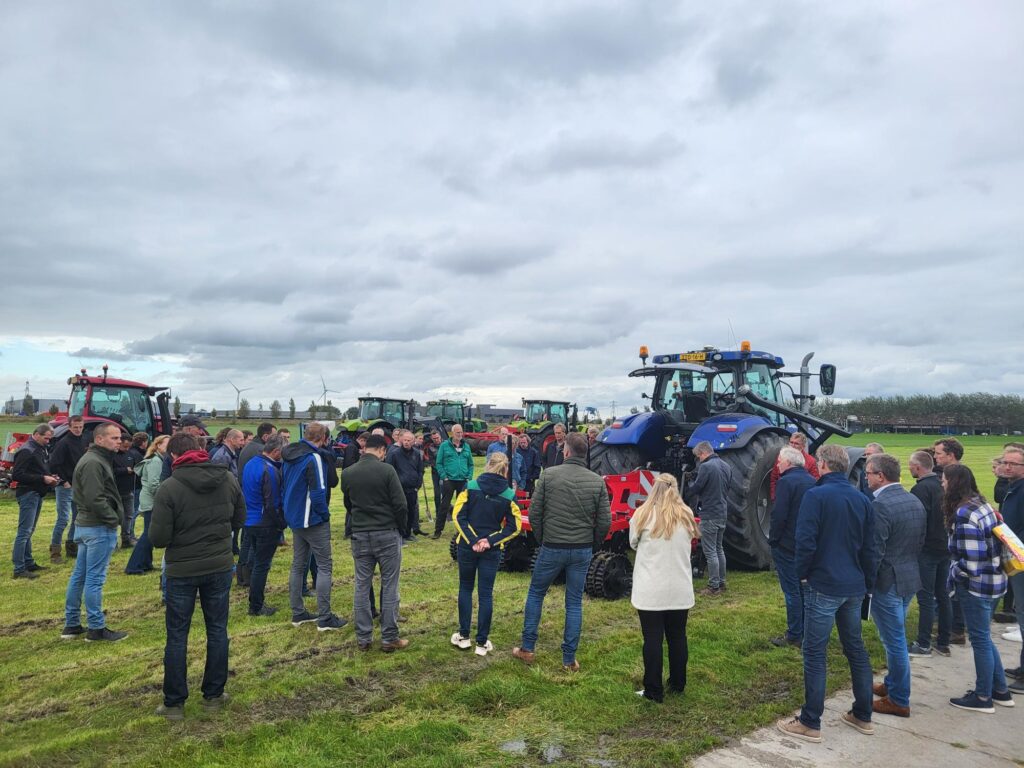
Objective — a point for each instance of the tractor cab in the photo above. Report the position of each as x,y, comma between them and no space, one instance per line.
448,412
133,406
554,411
374,409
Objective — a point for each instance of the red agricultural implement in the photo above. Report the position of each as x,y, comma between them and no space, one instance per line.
611,571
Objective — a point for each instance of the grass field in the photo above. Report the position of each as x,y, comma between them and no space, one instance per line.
313,698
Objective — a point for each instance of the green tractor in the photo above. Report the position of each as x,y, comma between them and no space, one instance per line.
540,417
387,413
450,412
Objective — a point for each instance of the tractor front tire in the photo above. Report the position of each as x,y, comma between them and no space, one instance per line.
749,497
614,459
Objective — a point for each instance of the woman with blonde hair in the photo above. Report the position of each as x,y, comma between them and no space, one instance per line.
661,531
148,471
486,517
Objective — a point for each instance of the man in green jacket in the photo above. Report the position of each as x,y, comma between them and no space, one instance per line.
100,513
454,466
379,521
569,516
194,514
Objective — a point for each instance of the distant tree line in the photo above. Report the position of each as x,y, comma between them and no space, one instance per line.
976,412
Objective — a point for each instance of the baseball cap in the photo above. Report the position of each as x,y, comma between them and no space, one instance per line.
191,421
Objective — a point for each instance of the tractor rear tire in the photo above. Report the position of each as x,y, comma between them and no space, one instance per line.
517,554
749,496
453,548
614,459
610,576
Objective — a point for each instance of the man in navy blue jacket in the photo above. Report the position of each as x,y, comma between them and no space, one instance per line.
307,514
836,564
264,519
794,480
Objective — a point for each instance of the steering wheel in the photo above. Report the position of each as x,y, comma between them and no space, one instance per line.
723,399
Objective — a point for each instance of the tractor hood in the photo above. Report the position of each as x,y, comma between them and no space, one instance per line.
727,431
644,430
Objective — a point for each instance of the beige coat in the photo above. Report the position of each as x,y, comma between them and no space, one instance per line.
662,574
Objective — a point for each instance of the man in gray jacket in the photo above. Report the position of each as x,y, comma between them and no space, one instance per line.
707,493
570,516
900,524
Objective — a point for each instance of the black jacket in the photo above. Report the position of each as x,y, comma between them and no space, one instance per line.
554,455
330,470
375,496
66,454
789,492
351,455
193,515
31,463
708,489
409,466
928,489
531,462
998,493
124,472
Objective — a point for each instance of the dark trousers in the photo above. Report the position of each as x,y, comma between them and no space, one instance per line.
449,490
437,488
481,567
933,594
262,544
412,503
142,555
245,547
659,627
128,507
214,590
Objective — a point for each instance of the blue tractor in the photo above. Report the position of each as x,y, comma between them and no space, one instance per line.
733,400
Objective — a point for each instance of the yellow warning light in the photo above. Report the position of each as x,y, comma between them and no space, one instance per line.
643,351
744,346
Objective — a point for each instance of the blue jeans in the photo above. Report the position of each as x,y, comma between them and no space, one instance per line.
214,590
141,559
820,612
988,667
1017,582
889,612
67,511
95,546
712,541
470,565
934,570
550,562
261,543
29,506
785,568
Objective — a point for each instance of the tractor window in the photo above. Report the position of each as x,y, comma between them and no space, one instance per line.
369,410
536,412
394,412
128,407
77,404
558,414
759,379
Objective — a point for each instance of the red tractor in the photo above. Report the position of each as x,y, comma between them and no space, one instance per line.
611,571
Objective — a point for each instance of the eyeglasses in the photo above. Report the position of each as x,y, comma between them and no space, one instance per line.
1002,463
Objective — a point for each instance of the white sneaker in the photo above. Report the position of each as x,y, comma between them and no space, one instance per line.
461,642
483,650
1013,635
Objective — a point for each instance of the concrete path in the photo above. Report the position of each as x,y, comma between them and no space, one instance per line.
935,735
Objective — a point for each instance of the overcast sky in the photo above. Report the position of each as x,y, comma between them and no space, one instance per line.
504,199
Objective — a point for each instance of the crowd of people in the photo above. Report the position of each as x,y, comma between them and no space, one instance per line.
220,511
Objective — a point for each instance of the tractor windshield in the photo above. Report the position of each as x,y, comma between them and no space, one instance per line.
759,379
369,410
449,413
394,411
692,394
127,406
537,412
76,407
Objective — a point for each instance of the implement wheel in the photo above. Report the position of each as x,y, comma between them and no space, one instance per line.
453,548
610,576
517,555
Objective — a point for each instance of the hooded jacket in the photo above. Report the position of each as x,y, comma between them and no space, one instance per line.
261,486
95,491
194,513
487,510
305,485
149,471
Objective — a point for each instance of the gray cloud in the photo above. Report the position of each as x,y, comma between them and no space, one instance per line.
508,199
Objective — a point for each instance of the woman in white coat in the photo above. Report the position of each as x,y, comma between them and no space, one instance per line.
660,531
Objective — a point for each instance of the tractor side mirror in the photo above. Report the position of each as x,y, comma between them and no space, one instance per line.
644,396
827,377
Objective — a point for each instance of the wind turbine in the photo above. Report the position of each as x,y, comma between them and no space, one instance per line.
326,390
238,394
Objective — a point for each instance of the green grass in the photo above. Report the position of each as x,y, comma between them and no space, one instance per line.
313,698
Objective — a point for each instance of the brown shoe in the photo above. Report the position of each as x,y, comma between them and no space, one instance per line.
55,554
524,656
798,730
958,638
885,706
364,646
711,592
395,646
857,724
879,689
574,667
